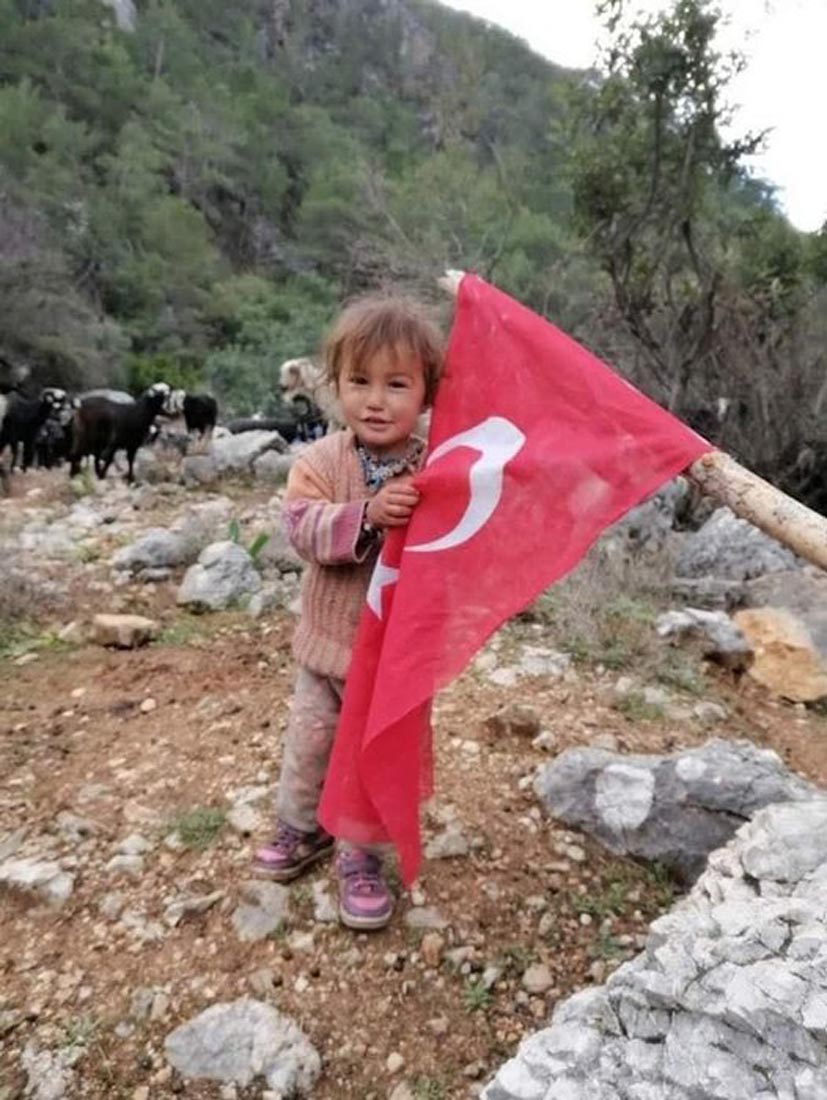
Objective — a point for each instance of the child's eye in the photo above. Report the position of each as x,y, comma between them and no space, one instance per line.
357,379
399,384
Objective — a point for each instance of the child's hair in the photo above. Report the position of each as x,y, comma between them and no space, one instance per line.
375,321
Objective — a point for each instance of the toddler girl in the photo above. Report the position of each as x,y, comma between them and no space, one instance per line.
383,358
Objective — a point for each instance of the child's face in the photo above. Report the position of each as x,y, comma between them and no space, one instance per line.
382,399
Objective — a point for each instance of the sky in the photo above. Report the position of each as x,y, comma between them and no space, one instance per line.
783,88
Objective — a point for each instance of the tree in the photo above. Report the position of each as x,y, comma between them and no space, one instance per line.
647,174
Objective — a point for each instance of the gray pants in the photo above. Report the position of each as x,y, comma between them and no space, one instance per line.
308,741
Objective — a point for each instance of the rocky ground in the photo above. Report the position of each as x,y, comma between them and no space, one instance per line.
141,779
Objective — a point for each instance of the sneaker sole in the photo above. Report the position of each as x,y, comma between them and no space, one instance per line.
364,924
289,873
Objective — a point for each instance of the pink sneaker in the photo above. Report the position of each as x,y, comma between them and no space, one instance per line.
365,901
290,852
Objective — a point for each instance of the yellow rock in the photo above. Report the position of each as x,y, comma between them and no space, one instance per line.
786,661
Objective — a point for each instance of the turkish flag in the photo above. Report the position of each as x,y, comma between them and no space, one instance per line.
535,447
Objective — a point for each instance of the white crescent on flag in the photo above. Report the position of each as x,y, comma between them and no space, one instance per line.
498,440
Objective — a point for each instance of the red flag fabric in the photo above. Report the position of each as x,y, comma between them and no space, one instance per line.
535,447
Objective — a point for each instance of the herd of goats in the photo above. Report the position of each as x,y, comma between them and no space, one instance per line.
53,427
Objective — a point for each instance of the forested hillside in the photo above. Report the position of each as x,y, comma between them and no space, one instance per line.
188,188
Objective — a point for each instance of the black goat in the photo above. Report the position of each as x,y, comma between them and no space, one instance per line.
302,422
200,413
103,427
53,443
23,419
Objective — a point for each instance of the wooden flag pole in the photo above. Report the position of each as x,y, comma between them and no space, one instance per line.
749,496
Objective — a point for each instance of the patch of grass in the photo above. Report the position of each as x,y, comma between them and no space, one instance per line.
607,947
87,553
516,959
476,997
679,671
199,826
81,1030
610,901
429,1088
635,708
661,882
180,631
18,639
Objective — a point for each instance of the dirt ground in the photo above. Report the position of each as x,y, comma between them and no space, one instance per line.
77,734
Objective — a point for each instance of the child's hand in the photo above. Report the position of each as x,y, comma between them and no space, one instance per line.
393,505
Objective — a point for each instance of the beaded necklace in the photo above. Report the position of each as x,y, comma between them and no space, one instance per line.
376,471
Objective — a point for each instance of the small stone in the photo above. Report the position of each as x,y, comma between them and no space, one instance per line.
448,845
141,1093
422,917
125,865
244,819
516,719
148,705
262,982
709,712
537,978
431,947
395,1062
402,1092
134,845
546,741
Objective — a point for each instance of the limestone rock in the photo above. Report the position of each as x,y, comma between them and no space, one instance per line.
123,631
265,908
271,466
223,575
728,998
157,548
722,641
239,1041
41,877
671,809
731,548
787,662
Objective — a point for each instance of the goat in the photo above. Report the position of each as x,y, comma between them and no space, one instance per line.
301,422
23,419
53,442
303,379
200,414
103,427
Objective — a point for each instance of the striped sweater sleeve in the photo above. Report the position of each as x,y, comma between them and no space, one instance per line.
319,529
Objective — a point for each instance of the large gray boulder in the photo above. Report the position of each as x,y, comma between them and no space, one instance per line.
732,549
673,810
721,640
223,576
230,454
728,1000
157,548
648,525
242,1040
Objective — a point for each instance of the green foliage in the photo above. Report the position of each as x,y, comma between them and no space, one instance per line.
635,708
256,545
198,827
429,1088
476,996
